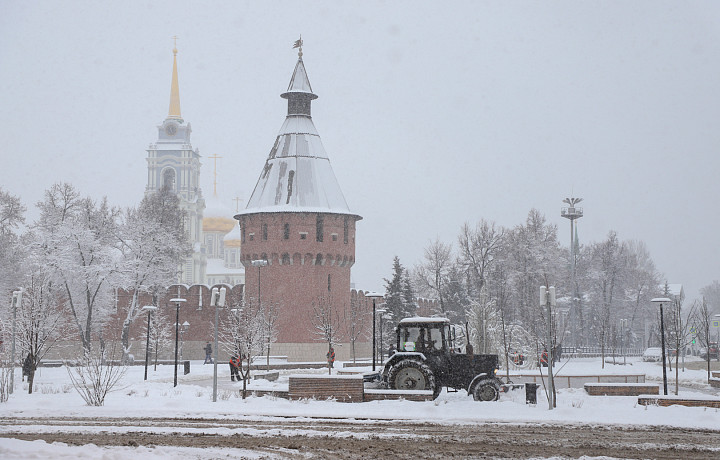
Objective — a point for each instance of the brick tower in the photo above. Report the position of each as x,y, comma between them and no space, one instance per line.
297,221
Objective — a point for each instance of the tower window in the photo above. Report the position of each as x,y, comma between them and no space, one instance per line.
264,232
303,235
286,233
168,180
252,237
328,283
334,236
346,231
242,233
319,228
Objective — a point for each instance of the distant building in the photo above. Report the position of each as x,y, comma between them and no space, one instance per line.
173,162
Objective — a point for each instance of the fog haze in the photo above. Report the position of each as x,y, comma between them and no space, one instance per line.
432,115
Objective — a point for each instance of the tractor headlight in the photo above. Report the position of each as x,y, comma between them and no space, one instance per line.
496,371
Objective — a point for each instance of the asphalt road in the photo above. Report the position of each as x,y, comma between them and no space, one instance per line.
293,437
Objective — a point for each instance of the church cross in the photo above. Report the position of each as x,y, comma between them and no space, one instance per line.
215,158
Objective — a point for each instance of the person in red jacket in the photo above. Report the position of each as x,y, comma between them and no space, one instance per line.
331,357
235,364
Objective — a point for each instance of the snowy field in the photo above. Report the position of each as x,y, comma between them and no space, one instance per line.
192,398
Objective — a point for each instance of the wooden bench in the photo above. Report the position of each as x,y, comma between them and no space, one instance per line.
342,388
665,402
621,389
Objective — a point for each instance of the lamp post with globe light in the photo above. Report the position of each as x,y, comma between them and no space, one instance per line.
661,301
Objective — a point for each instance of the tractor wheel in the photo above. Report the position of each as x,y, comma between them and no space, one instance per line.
412,375
486,390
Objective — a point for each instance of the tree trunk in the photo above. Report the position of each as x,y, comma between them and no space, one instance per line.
31,379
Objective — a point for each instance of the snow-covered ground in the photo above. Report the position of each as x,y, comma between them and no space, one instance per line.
192,398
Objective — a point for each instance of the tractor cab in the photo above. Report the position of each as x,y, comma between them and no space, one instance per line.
424,335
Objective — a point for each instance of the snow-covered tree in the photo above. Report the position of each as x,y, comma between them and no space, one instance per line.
639,283
609,263
394,300
153,243
711,294
40,322
11,250
533,260
78,241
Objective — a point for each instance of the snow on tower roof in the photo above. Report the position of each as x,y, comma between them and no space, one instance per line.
297,176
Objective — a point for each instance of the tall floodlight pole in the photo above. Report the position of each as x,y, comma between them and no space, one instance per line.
661,301
573,212
373,295
149,309
547,300
177,302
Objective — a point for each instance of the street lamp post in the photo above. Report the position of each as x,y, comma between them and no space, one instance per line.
259,263
177,302
717,319
547,299
149,309
373,295
623,324
382,312
217,299
16,300
661,300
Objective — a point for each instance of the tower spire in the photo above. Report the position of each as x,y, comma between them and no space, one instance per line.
174,111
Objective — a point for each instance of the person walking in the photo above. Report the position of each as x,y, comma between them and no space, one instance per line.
27,367
208,353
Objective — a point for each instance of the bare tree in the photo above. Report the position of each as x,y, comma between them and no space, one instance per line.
242,332
93,377
432,274
678,331
325,321
356,322
479,248
702,322
269,318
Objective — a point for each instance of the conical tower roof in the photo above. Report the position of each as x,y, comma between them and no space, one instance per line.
297,176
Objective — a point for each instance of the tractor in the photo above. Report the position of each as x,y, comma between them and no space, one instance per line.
426,359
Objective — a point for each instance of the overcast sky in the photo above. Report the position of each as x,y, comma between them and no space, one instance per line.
433,113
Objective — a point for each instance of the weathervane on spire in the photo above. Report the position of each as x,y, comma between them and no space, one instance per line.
174,37
299,44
